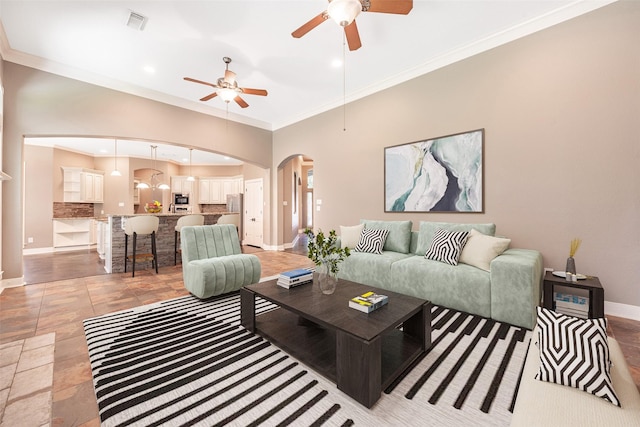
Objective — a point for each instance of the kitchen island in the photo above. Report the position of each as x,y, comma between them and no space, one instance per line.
113,241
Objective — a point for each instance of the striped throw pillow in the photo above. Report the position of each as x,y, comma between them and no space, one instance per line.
575,352
446,246
372,240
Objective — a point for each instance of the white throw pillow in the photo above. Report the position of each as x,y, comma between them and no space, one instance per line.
350,236
481,249
575,352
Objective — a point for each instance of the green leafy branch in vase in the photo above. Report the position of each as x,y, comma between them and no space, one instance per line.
324,249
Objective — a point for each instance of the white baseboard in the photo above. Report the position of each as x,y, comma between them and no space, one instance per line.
50,250
622,310
11,283
36,251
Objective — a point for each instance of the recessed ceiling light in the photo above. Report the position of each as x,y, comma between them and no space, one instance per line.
149,69
336,63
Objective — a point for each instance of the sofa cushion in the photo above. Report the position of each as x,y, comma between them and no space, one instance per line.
350,236
481,249
575,352
460,287
372,241
428,229
399,237
446,246
370,269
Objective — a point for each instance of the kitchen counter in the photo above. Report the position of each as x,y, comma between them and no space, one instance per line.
114,241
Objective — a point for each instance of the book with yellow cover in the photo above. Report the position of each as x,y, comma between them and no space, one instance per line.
368,301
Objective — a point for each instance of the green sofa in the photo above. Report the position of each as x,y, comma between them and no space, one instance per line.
509,292
213,262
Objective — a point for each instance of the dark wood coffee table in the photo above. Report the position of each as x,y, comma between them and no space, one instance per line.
361,352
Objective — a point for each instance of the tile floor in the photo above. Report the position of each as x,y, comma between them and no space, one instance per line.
45,377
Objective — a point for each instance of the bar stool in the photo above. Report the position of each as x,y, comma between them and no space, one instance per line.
140,226
182,221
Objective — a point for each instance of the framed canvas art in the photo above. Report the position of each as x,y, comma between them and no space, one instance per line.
443,174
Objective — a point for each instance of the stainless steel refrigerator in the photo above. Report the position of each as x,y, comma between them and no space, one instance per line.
234,204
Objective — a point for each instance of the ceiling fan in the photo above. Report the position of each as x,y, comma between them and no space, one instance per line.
227,87
344,13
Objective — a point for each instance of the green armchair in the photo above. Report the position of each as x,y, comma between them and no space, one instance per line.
212,261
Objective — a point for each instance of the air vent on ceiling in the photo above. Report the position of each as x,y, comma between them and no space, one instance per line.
136,21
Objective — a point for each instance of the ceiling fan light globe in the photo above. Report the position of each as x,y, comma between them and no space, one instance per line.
227,95
343,12
163,187
143,185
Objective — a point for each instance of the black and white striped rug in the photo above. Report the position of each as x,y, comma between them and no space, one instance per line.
189,362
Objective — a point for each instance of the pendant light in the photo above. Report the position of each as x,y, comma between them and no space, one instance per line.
143,185
190,177
155,173
115,172
162,185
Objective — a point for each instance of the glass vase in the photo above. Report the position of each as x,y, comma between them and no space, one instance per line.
327,280
571,265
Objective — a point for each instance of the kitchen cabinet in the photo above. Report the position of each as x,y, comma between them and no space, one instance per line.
72,232
83,185
210,191
214,190
136,192
179,184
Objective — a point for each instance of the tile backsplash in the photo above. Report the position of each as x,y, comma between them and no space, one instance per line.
73,210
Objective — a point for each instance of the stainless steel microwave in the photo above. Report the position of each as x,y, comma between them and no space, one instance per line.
180,199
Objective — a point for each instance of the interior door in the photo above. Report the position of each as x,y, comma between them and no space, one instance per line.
253,218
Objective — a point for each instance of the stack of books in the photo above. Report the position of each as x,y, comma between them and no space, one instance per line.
571,305
293,278
368,301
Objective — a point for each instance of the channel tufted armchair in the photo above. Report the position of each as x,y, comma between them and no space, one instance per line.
212,261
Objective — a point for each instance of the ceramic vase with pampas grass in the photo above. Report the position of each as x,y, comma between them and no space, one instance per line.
571,262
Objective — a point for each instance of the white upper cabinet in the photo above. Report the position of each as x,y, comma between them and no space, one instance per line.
83,185
214,190
179,184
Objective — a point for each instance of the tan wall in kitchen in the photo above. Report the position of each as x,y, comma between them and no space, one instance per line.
560,109
39,196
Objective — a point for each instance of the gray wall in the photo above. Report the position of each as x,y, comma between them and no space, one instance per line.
560,109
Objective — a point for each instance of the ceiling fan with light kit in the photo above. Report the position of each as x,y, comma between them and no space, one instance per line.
227,87
344,13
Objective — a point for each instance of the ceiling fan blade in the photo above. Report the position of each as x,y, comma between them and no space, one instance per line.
401,7
250,91
314,22
189,79
240,102
208,97
353,36
229,76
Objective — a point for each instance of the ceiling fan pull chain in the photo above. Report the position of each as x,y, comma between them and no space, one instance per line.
344,82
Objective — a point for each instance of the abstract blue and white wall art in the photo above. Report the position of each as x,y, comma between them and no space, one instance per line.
437,175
